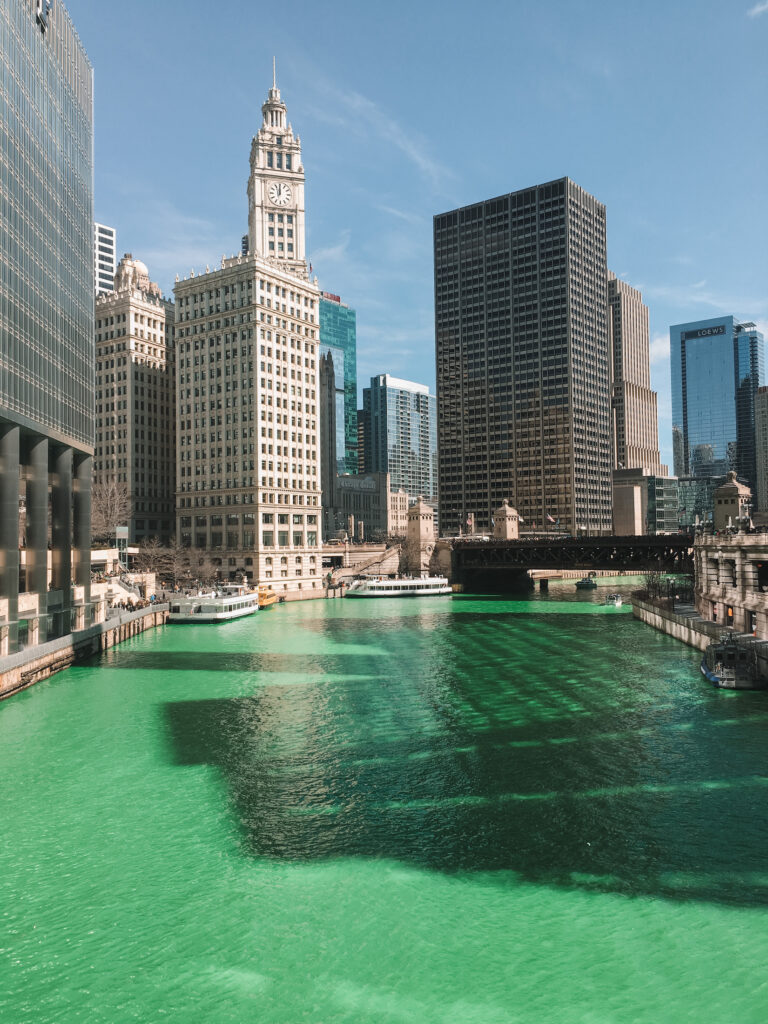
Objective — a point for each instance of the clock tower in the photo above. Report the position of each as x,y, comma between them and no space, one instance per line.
276,190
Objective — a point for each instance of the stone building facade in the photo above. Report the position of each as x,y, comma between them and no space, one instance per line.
731,572
135,412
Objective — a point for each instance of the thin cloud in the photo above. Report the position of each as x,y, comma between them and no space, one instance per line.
389,130
333,253
409,218
758,9
659,349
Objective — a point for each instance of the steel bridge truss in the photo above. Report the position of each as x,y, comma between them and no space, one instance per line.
666,553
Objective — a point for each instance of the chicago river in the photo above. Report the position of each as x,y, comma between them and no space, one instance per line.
465,810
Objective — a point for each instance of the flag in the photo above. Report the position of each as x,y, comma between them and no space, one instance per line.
520,519
549,518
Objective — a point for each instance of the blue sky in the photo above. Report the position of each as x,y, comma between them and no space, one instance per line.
409,109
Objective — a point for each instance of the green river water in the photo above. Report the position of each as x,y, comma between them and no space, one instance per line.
438,811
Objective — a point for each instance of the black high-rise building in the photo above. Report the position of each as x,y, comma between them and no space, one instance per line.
523,386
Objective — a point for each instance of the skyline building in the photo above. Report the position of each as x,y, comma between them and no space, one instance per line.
135,400
717,366
761,448
523,377
400,435
105,257
634,404
247,337
46,323
338,332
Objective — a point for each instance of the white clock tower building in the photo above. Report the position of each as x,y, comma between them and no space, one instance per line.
248,459
276,190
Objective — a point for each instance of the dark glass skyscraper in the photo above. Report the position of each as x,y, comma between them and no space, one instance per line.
521,332
46,314
717,366
338,336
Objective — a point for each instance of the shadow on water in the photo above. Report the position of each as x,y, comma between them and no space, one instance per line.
598,797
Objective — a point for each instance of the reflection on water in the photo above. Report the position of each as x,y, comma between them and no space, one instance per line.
486,743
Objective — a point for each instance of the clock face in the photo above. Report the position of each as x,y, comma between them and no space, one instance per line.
279,193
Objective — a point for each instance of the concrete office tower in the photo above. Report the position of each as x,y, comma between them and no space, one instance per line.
338,335
635,416
46,322
328,412
761,450
361,440
105,257
400,435
248,467
523,380
135,402
717,366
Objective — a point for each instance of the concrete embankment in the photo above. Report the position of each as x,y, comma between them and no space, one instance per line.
20,670
684,623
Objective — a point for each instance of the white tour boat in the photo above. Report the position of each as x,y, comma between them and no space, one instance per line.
232,601
426,586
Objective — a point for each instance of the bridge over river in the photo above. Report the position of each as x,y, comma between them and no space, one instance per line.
497,564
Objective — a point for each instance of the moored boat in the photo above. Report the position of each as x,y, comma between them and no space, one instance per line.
232,601
267,596
730,663
586,583
426,586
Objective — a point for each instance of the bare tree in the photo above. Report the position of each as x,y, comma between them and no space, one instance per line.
110,508
177,563
152,556
204,568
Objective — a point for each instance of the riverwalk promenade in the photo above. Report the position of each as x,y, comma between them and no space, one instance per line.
30,665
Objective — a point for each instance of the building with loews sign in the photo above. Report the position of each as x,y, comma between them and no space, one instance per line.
717,366
247,471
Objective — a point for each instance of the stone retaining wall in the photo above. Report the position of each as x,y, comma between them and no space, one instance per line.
20,670
686,625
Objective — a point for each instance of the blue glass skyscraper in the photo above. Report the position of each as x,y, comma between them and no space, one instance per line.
401,435
717,366
338,336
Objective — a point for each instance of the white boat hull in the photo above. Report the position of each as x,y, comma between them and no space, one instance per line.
213,607
434,587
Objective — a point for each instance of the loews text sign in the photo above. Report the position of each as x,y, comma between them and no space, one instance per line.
704,332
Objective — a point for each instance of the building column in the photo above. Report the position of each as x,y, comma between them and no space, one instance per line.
37,528
61,537
82,531
9,532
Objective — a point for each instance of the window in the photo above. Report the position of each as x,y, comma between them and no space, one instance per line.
266,517
282,518
268,539
297,540
282,538
269,159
